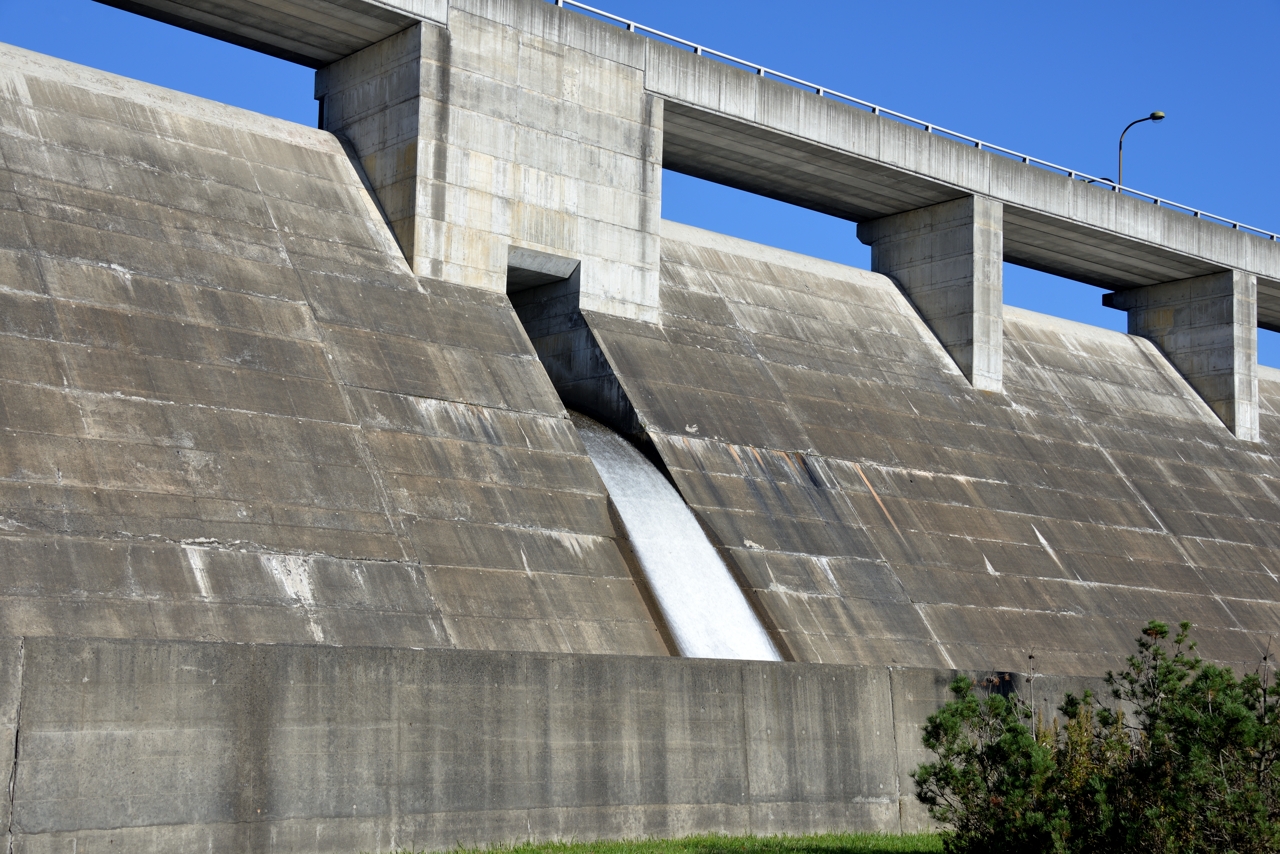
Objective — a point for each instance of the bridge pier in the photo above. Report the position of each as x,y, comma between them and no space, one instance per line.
1207,328
384,103
948,259
491,135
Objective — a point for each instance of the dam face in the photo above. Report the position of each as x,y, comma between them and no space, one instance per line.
301,549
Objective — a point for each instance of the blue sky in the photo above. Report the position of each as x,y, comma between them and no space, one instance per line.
1057,81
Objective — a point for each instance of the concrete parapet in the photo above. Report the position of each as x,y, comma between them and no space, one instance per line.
1207,327
948,259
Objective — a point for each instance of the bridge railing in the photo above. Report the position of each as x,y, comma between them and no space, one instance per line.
928,127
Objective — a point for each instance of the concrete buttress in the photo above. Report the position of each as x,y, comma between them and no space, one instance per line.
1207,326
948,259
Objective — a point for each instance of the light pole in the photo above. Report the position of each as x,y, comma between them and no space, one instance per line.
1155,118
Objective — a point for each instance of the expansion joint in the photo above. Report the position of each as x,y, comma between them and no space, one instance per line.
897,755
17,731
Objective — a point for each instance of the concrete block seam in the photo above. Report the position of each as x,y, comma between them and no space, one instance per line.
897,755
17,734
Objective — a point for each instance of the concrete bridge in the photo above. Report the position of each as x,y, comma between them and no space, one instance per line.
300,548
1195,288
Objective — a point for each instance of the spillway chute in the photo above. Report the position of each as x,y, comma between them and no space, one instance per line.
704,608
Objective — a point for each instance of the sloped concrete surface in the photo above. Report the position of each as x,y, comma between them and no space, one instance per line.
883,510
230,412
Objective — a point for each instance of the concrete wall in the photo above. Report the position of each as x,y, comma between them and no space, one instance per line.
233,412
262,385
883,509
375,100
230,411
178,747
1207,327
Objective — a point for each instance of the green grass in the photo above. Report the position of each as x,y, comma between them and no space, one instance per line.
855,843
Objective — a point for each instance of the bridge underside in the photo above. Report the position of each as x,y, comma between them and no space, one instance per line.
314,33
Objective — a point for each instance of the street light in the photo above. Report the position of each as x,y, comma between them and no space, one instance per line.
1155,118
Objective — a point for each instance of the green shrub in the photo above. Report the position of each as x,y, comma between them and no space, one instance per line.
1189,769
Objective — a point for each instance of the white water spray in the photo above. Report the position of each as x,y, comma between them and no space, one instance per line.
701,602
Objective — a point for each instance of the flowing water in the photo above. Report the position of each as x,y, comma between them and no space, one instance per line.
701,602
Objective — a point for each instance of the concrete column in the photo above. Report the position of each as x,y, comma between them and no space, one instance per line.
485,136
1207,327
948,259
374,101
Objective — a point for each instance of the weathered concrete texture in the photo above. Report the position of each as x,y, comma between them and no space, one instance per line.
1207,327
230,411
949,260
530,127
310,32
180,747
885,511
12,662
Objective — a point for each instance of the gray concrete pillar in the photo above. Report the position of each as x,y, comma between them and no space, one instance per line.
949,261
484,136
374,101
1207,327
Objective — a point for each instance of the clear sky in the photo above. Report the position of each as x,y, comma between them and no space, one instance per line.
1058,81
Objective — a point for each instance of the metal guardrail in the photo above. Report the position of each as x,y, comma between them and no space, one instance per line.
928,127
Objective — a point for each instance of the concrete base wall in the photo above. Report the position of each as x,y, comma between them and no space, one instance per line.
175,747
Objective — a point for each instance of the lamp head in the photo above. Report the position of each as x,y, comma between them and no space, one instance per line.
1157,117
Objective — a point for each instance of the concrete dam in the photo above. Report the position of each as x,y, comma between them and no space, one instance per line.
303,543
